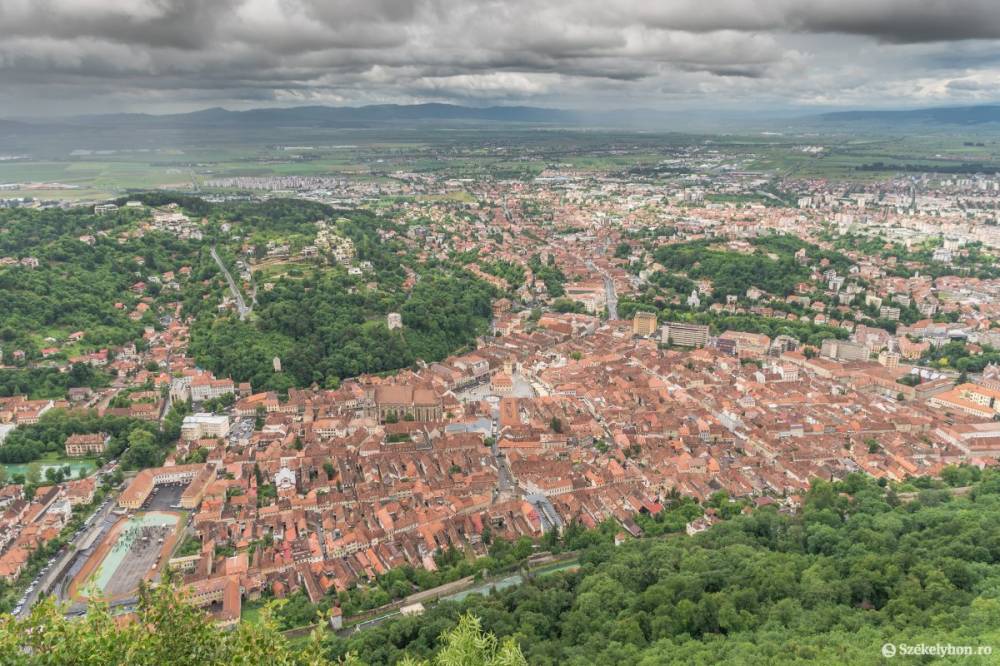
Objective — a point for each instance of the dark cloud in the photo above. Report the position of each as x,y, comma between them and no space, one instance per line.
898,21
145,54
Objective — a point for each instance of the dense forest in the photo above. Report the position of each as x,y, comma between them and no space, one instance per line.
39,383
323,331
771,268
323,321
858,567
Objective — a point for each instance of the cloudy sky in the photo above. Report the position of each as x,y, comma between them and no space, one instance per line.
68,56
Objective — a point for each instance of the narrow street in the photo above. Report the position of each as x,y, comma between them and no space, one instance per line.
611,296
240,303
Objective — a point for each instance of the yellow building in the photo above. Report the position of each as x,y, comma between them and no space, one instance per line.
644,323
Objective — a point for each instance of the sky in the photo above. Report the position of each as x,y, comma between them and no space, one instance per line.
60,57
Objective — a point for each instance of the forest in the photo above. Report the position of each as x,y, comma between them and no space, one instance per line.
859,566
38,383
327,324
731,273
320,321
323,331
86,265
167,630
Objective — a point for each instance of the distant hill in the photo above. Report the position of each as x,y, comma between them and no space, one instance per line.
7,126
394,114
953,115
331,116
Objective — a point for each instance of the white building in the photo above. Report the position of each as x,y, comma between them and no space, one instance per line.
284,478
203,426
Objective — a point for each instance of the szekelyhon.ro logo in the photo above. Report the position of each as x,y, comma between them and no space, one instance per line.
889,650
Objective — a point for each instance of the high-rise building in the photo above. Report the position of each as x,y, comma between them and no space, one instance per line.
684,335
644,323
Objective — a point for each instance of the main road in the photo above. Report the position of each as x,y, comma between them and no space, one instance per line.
241,305
610,295
52,579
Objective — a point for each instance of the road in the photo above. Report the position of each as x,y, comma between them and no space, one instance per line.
505,480
52,579
610,295
506,210
240,303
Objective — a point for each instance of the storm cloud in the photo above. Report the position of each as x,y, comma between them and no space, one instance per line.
66,56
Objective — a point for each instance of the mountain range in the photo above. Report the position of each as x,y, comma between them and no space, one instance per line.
952,115
451,114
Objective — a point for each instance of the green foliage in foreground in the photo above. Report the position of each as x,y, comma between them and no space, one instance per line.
169,631
856,569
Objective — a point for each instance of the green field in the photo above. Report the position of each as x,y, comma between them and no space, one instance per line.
102,164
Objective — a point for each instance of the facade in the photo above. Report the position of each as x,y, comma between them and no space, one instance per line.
501,383
87,445
402,400
643,324
748,345
196,476
206,388
202,426
844,350
970,399
684,335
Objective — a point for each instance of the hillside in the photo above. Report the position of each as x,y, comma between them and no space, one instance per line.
857,568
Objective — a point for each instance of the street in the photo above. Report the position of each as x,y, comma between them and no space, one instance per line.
52,576
241,305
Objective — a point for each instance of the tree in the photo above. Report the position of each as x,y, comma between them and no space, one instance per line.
468,645
556,424
169,630
142,451
33,475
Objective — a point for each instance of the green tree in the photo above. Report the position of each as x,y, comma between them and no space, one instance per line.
33,475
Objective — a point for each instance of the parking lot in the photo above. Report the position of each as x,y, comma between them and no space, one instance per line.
164,497
241,431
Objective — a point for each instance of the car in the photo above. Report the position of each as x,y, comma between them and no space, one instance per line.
17,610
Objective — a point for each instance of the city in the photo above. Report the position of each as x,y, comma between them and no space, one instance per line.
425,378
